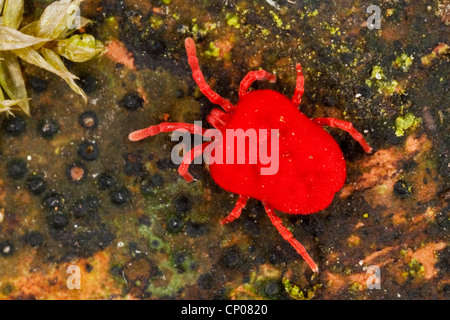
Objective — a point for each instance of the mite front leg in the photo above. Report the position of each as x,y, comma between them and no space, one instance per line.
200,79
218,119
187,160
299,86
287,235
236,212
346,126
251,77
165,127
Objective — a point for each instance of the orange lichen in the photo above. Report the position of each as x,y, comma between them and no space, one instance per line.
427,257
117,51
51,282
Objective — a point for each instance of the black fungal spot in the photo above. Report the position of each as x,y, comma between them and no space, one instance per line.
88,267
16,169
38,84
157,179
133,164
132,101
156,47
36,185
231,258
401,189
179,93
165,164
120,196
58,220
48,128
6,248
272,289
106,181
34,239
147,188
85,207
174,225
53,201
183,205
15,125
205,281
88,150
88,120
88,83
275,257
195,230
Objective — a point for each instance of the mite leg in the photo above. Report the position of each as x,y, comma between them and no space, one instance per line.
218,119
236,212
299,86
287,235
200,79
346,126
253,76
187,160
164,127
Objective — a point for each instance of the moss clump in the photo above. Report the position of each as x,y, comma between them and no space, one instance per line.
409,121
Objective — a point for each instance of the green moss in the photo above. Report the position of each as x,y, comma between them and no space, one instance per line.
166,1
409,121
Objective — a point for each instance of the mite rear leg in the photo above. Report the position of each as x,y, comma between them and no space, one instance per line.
287,235
236,212
200,79
251,77
299,86
346,126
187,160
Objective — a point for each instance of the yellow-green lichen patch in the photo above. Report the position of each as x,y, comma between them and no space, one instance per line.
296,293
409,121
403,62
233,20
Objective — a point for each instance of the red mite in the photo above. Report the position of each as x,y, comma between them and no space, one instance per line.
311,164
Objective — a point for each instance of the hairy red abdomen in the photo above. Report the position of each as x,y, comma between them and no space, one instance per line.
311,166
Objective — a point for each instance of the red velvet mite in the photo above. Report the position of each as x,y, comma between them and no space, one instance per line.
311,166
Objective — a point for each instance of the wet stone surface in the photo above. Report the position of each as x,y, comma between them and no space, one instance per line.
75,190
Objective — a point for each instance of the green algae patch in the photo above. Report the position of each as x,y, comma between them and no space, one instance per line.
409,121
